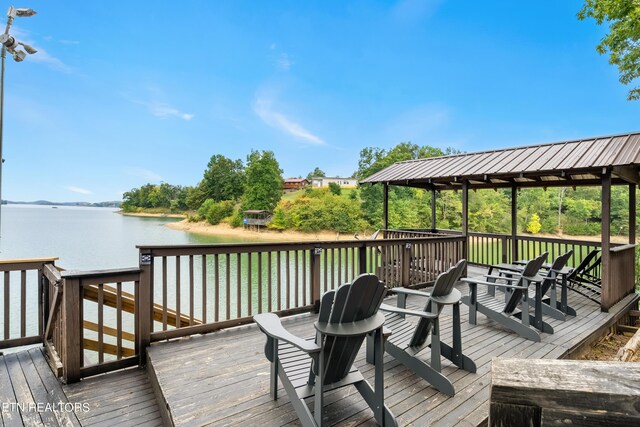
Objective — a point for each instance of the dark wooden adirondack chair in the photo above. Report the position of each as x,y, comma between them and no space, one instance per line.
585,278
549,304
512,311
409,339
346,317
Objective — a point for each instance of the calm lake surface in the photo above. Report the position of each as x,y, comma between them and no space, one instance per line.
86,238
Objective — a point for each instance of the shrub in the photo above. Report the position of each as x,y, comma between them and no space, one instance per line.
534,226
335,188
214,212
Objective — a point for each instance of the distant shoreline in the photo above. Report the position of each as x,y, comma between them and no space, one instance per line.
225,230
151,215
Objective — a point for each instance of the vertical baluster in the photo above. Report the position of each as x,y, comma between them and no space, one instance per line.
7,297
259,282
269,284
164,293
238,286
333,258
191,290
288,276
325,256
216,287
279,278
249,293
119,320
178,312
304,277
23,303
204,289
100,323
296,302
340,281
228,286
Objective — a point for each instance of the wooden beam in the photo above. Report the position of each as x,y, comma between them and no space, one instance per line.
433,209
465,219
385,207
627,173
632,213
605,238
514,223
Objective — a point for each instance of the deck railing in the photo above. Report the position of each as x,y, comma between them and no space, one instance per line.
92,324
22,296
209,287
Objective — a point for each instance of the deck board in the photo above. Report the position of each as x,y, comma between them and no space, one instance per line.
223,378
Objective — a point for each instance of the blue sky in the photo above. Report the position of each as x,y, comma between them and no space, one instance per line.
125,93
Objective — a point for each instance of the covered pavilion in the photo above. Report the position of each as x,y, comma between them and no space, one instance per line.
598,161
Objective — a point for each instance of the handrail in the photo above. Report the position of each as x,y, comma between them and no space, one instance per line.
243,279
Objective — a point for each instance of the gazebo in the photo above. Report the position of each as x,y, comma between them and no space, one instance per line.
598,161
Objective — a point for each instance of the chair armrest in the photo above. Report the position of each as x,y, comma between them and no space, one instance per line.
411,292
351,329
392,309
271,325
482,282
511,279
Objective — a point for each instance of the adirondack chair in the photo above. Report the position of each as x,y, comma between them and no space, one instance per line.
408,339
506,312
585,278
548,303
346,317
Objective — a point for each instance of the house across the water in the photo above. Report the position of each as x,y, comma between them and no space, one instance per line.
323,181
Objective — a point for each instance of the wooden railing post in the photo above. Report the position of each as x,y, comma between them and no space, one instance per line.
144,305
315,278
405,273
362,259
72,354
505,248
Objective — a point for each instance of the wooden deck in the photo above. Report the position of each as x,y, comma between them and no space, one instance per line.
31,395
223,378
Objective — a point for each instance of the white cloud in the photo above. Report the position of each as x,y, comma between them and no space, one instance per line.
263,108
44,57
69,42
163,110
284,62
147,174
41,56
79,190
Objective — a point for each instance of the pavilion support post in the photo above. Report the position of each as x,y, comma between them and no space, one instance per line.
514,223
605,237
465,219
385,209
433,210
632,213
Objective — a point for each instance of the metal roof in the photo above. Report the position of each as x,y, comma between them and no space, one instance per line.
567,163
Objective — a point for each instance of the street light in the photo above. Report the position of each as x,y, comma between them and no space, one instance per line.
11,44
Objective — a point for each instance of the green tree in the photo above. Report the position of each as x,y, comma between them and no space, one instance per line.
335,188
317,172
223,179
263,185
623,40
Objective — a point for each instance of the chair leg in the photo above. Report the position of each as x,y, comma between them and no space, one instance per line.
435,345
318,399
274,369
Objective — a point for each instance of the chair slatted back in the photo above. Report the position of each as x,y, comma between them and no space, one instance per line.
558,264
530,270
349,303
443,285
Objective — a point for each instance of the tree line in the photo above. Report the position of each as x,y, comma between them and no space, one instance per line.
230,186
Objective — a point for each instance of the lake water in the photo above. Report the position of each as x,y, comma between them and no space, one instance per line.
86,238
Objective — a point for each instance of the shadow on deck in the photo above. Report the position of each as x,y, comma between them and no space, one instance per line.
31,395
223,378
